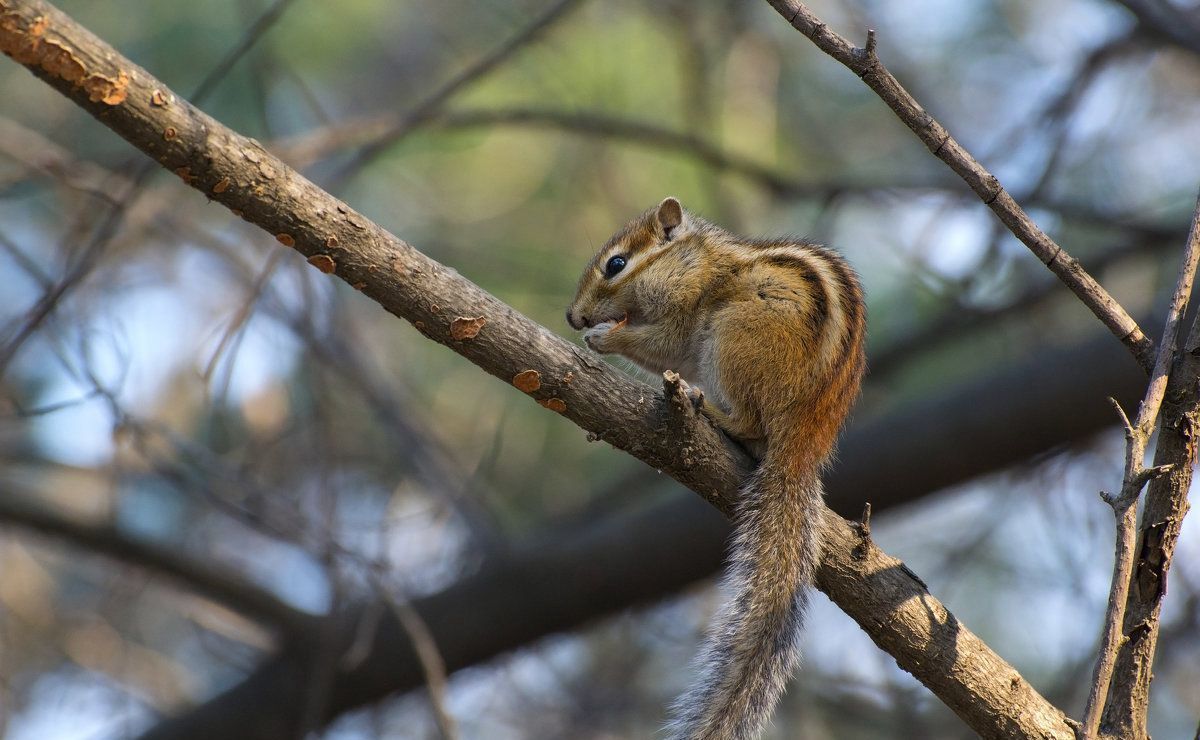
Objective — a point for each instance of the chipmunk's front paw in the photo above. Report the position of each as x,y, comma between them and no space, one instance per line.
595,337
694,394
599,338
705,407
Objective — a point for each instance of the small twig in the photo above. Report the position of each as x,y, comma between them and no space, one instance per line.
36,153
432,103
1137,436
1149,474
114,219
1126,513
1126,425
243,315
254,32
870,48
939,141
863,548
89,257
307,148
428,655
682,398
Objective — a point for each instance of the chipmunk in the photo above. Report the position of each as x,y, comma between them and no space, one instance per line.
771,332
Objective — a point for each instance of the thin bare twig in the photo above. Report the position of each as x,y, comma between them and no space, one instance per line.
88,258
430,658
253,33
240,319
867,66
432,103
1124,505
960,318
304,149
114,218
27,263
38,154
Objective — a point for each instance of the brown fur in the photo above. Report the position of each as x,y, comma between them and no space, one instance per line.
773,332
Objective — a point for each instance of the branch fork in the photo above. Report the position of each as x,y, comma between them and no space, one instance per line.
1124,504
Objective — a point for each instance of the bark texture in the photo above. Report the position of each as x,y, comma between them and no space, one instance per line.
1162,519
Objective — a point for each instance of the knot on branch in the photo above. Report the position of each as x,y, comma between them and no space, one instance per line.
1145,475
682,399
865,59
863,525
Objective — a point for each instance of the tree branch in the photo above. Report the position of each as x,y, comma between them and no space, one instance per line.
1162,519
304,149
1124,505
874,588
960,319
865,64
1167,22
429,107
552,583
213,583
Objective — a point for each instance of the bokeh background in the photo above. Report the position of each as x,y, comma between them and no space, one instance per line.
175,384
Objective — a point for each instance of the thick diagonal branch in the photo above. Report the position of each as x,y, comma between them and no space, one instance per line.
874,588
865,64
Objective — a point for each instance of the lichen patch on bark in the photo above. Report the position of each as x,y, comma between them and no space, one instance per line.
29,46
322,262
101,89
527,381
466,327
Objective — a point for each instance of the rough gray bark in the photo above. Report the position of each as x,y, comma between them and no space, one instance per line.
1162,519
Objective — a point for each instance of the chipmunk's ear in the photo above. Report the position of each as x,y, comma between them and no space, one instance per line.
671,217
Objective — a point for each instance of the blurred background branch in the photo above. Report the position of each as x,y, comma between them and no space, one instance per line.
988,386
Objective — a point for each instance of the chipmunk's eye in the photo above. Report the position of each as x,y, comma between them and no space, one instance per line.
614,265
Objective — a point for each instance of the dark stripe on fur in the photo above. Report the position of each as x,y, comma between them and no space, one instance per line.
818,317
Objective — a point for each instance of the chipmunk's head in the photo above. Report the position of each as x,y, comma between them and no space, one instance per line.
607,288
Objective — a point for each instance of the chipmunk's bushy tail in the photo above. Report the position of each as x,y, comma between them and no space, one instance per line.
753,647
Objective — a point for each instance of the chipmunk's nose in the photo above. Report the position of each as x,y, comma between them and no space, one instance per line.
576,321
